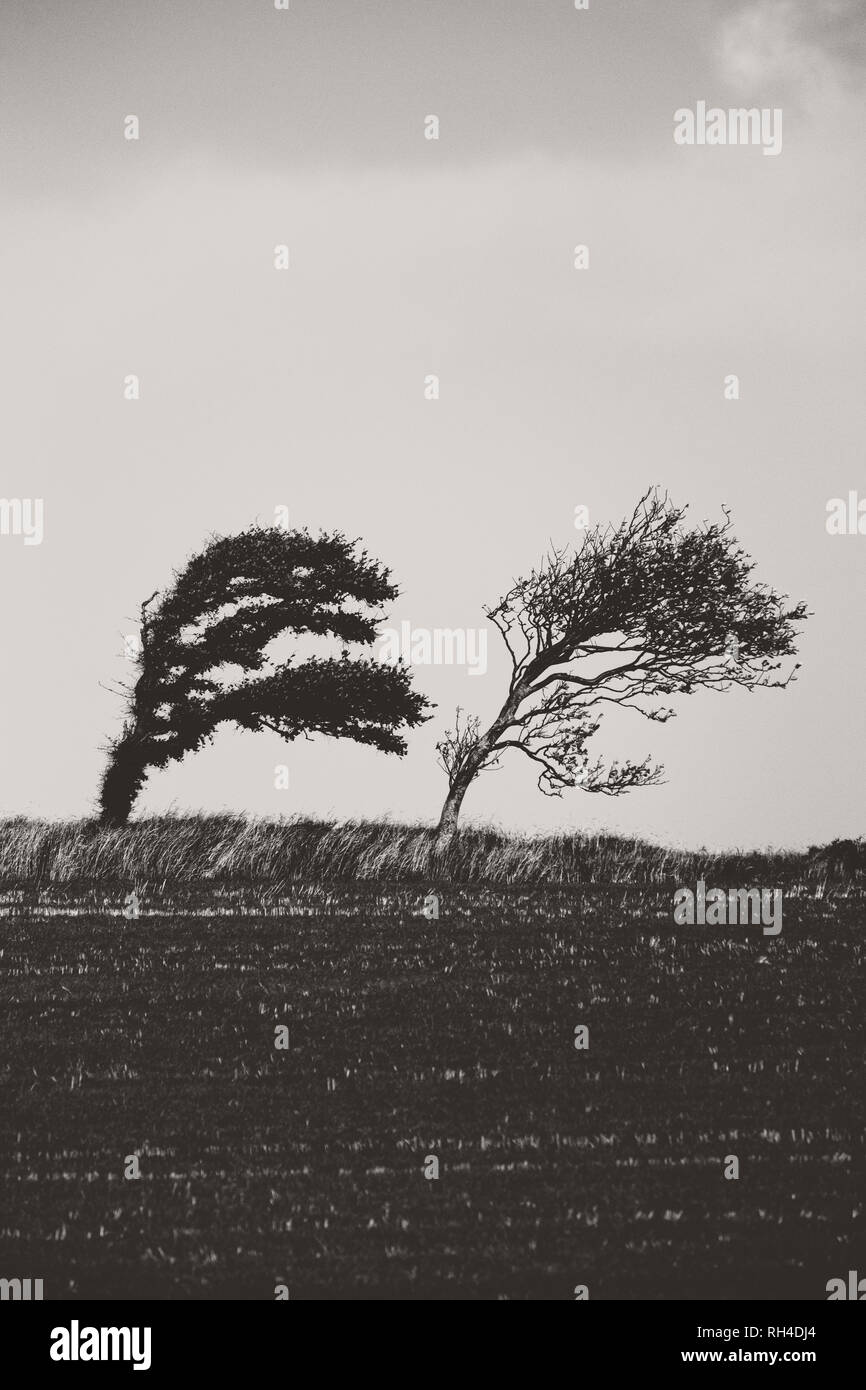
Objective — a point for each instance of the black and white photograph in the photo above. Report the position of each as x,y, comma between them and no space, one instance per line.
432,559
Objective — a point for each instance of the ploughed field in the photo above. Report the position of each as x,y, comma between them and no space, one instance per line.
412,1038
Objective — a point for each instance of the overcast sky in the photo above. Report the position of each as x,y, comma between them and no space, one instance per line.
409,256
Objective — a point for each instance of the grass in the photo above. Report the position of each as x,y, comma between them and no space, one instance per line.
174,850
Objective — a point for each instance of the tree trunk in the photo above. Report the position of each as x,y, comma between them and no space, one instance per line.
447,827
123,780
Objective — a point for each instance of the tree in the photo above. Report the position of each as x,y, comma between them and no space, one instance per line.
222,612
640,612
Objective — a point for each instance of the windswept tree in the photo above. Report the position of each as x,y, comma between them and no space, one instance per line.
203,658
641,612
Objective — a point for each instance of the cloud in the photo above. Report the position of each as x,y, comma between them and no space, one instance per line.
806,45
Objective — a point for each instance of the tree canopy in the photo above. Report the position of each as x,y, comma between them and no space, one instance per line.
204,657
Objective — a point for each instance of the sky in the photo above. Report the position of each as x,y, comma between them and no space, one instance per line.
410,257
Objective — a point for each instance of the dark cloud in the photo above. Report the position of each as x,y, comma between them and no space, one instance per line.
798,43
336,83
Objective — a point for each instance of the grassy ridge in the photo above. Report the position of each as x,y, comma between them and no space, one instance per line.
235,849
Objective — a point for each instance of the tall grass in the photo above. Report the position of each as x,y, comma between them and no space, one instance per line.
201,849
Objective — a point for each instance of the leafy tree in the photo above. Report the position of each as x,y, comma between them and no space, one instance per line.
222,612
638,613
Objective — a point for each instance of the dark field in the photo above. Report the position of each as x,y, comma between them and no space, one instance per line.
410,1037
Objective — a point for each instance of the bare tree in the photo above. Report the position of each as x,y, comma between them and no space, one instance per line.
639,613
